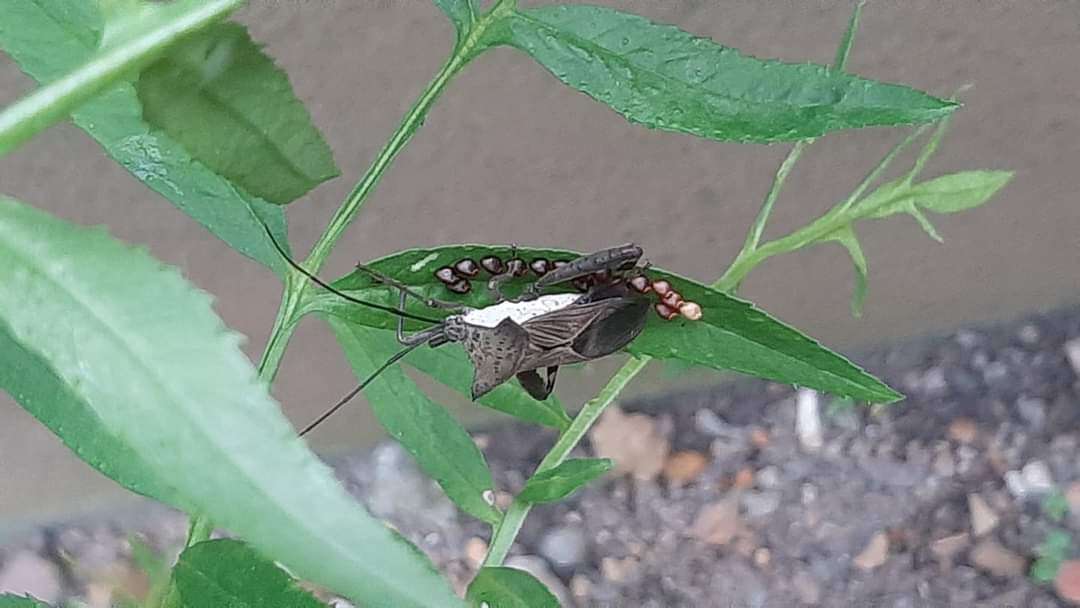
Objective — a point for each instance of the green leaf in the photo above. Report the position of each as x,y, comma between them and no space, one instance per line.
438,443
15,601
47,42
504,587
844,50
563,480
156,371
732,334
233,110
958,191
460,12
665,78
847,238
229,573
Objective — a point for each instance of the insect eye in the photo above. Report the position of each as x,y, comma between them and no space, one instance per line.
467,268
446,275
492,264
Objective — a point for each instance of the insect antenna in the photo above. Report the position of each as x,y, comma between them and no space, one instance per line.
392,360
338,292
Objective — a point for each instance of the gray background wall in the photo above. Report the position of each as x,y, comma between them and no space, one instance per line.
510,155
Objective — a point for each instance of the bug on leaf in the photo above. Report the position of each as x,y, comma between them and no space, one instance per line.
535,331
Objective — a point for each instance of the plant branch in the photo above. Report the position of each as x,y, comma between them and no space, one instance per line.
56,100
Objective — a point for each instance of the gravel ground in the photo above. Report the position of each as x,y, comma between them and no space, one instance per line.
750,494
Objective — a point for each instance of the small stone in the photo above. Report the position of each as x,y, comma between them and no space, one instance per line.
618,570
762,557
933,382
874,554
963,430
564,547
684,467
1033,480
580,588
983,518
1072,353
808,420
990,556
761,504
1072,496
633,441
768,477
744,478
1033,411
708,423
717,523
946,549
944,464
1029,334
27,573
1067,581
475,550
759,437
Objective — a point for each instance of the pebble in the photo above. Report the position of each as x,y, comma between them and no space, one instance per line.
808,420
1033,480
983,518
685,467
1032,411
1072,353
944,464
807,588
946,549
768,477
717,523
762,557
27,573
874,554
618,570
475,550
963,430
744,479
990,556
564,547
1067,581
633,441
1072,496
761,504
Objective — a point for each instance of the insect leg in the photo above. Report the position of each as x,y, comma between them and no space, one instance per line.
431,335
538,388
614,259
405,289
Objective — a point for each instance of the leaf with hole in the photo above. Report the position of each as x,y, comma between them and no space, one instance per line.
234,111
665,78
47,43
504,587
438,443
229,573
732,334
138,352
563,480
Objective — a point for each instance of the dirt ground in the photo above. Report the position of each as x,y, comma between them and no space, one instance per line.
750,494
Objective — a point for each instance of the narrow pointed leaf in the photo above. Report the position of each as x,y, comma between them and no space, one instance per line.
959,191
134,344
46,43
15,601
665,78
924,222
460,13
234,111
847,238
732,334
844,50
230,573
562,481
504,587
441,447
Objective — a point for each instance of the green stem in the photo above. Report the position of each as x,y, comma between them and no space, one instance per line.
508,528
56,100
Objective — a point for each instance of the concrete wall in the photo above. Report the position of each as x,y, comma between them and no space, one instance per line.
511,155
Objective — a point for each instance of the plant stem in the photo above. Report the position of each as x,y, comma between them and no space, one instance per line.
54,101
511,522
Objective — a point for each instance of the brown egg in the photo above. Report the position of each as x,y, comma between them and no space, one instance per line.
446,275
690,310
540,266
672,298
466,268
666,312
517,266
492,264
460,286
640,284
661,287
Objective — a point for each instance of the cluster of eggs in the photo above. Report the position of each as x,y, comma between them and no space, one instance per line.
457,277
671,302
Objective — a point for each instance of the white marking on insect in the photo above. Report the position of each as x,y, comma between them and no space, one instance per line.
519,312
418,266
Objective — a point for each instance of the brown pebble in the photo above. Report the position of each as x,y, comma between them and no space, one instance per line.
1067,581
475,550
744,478
963,430
874,554
682,468
990,556
759,437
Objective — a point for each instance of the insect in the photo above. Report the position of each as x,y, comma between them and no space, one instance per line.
535,331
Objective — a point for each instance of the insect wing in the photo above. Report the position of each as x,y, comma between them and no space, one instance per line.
564,326
496,353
